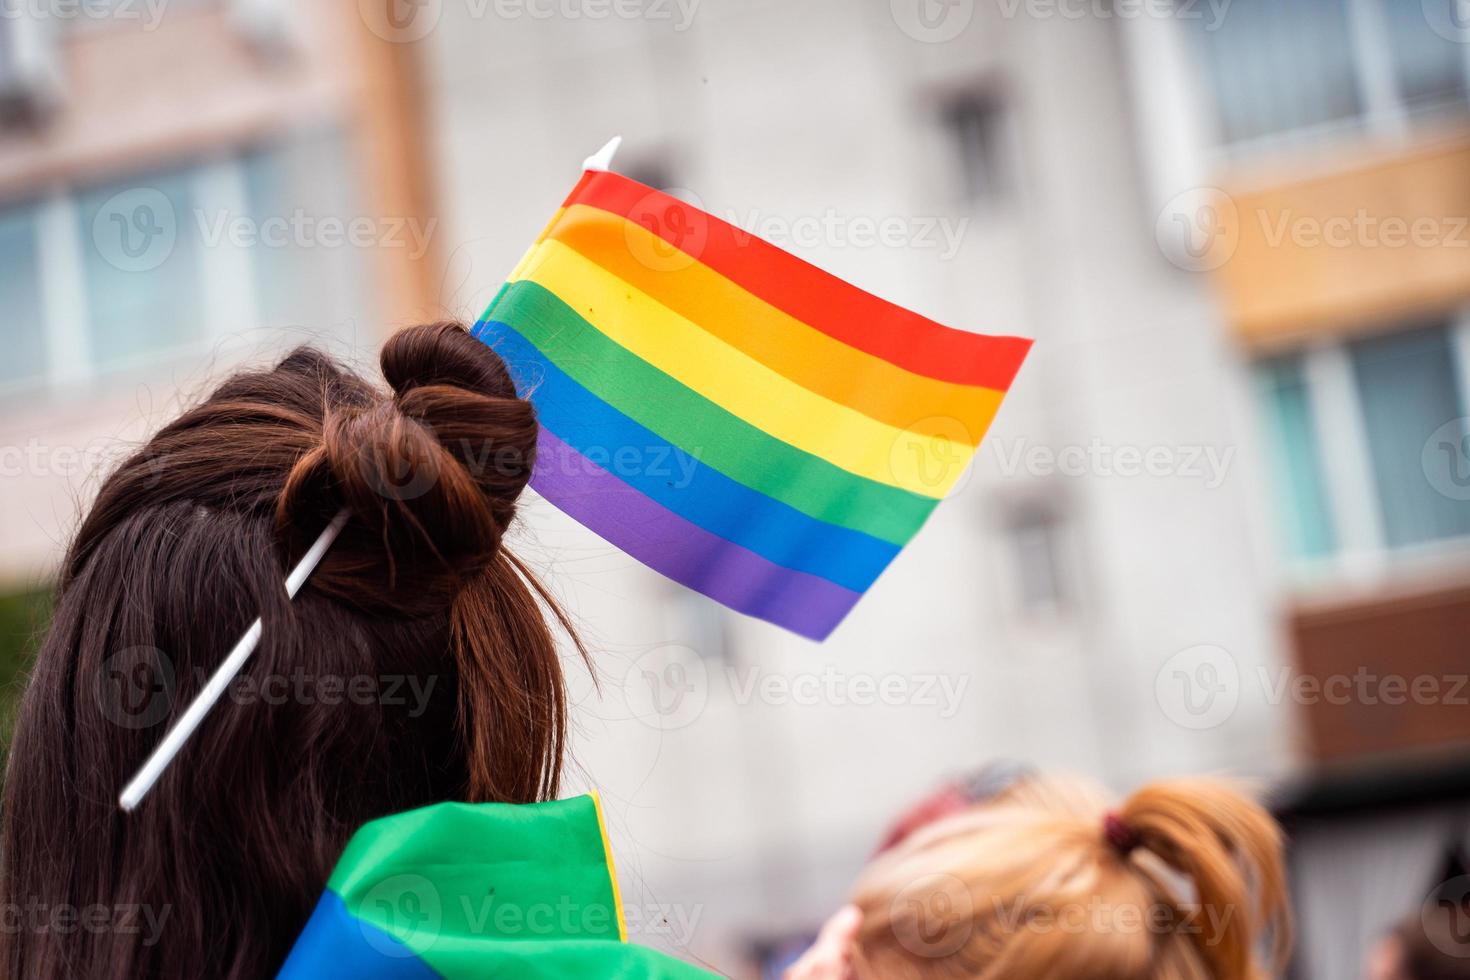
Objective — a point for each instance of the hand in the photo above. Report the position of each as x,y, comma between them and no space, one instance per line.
830,957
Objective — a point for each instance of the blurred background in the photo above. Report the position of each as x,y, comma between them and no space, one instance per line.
1222,523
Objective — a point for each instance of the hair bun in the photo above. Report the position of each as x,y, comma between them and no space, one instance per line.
431,475
444,354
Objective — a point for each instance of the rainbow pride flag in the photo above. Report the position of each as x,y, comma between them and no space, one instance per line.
461,891
730,415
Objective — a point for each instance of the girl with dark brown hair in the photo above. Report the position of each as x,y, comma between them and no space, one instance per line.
416,666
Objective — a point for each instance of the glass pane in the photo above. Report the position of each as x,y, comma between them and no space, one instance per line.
1407,388
140,247
1296,462
1431,68
310,274
1037,548
976,123
22,322
1278,66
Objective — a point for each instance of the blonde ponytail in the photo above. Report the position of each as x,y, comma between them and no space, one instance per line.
1229,850
1183,881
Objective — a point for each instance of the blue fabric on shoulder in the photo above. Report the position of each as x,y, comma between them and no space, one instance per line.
337,944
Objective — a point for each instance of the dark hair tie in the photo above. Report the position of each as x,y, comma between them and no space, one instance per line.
1122,837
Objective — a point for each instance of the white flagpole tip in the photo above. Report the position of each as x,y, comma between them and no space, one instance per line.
602,159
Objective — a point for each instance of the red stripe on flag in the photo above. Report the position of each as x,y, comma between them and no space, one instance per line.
820,299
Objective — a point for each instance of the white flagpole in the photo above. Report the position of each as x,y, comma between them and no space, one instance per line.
174,740
602,159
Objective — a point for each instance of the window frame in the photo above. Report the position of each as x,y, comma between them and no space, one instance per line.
1385,113
1339,430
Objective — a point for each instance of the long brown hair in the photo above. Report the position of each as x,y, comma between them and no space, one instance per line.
1184,880
417,665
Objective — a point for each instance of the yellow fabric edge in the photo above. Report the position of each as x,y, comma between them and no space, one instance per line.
526,258
612,870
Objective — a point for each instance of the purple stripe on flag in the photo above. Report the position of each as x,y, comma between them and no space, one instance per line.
688,554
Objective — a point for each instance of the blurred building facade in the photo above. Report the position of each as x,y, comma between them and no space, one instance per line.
1235,467
1234,470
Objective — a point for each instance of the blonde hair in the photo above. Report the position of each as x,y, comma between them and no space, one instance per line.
1184,882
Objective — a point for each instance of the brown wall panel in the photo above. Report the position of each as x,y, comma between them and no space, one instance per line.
1422,639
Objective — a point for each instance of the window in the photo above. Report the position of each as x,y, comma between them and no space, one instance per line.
123,275
1036,544
1393,395
140,262
695,621
307,273
1430,67
1408,391
22,318
1279,66
976,122
1300,486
